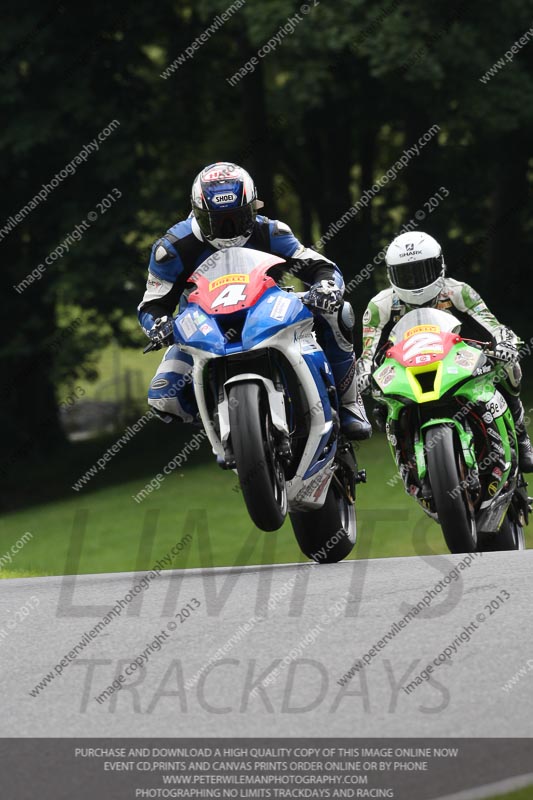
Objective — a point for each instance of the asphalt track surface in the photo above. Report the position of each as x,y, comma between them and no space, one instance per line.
327,615
291,632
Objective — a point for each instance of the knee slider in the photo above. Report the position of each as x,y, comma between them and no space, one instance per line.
514,375
159,387
170,388
346,320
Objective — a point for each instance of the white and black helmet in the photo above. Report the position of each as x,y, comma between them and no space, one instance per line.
415,267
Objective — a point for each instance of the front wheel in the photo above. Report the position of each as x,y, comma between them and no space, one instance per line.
260,471
446,476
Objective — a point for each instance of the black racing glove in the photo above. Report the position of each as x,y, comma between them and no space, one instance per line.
162,331
325,296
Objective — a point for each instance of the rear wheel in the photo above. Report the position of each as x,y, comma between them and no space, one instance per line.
328,534
259,468
445,468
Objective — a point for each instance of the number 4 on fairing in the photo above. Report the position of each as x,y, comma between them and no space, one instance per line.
230,296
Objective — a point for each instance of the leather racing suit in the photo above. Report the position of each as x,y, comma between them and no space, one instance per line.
178,254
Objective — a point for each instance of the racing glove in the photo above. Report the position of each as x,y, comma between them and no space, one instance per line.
325,296
162,331
506,346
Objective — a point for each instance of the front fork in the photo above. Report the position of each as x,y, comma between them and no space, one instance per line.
416,464
501,457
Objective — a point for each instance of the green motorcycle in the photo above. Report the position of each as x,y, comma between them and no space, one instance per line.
451,432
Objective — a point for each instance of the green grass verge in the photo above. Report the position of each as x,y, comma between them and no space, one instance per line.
198,499
11,573
522,794
113,362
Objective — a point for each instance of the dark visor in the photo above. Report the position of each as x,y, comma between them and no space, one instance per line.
226,224
416,274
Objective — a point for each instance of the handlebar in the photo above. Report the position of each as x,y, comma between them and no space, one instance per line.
154,344
485,346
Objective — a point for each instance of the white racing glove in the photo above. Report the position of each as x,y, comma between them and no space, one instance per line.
506,346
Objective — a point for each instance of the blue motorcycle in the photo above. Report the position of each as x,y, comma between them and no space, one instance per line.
268,402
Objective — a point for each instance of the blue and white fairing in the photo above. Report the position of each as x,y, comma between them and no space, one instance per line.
278,320
274,312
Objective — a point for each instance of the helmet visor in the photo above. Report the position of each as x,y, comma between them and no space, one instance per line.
416,274
226,224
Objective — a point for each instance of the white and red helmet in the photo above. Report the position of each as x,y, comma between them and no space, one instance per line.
415,267
224,203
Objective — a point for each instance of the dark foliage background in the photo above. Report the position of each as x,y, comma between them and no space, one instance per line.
321,118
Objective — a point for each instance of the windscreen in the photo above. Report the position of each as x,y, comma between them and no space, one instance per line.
234,260
446,323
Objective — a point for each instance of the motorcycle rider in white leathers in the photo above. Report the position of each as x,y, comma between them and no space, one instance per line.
417,274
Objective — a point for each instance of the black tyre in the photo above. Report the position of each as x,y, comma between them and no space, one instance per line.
260,472
446,473
509,537
327,535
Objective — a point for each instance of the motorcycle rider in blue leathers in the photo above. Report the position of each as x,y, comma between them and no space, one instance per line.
224,214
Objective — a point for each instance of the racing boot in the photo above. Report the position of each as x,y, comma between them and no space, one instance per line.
335,336
353,418
162,417
171,393
525,450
